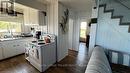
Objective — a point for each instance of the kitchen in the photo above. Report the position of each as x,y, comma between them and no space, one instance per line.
17,36
45,34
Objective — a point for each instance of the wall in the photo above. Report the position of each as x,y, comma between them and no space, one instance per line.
52,17
119,9
54,12
27,28
93,28
63,38
71,23
76,32
92,40
112,36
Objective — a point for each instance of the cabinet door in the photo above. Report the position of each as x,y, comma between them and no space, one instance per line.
22,44
26,16
49,54
34,16
9,49
42,19
20,47
1,52
31,16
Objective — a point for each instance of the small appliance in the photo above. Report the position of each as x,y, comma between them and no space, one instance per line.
38,34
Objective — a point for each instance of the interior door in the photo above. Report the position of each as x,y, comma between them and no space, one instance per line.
71,33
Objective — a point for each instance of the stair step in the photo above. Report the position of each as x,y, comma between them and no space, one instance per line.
114,17
102,5
111,10
125,23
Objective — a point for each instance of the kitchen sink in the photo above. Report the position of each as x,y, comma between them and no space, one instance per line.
5,39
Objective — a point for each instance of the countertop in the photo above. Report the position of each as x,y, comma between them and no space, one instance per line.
37,43
14,38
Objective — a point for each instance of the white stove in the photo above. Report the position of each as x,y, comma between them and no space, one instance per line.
41,55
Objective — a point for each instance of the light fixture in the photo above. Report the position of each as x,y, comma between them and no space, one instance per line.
7,7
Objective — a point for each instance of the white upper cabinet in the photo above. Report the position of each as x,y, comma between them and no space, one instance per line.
33,17
26,16
42,18
34,20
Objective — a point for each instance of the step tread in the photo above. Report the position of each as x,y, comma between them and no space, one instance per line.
113,17
125,23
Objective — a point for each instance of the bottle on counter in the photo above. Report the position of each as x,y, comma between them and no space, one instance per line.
47,39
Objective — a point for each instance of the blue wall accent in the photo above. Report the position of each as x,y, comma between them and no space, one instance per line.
110,34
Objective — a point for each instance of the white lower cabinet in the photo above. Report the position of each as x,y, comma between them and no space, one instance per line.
20,47
1,52
9,49
12,48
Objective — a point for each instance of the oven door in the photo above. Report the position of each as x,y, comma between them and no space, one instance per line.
34,52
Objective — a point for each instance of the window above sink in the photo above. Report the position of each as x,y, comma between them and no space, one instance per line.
8,29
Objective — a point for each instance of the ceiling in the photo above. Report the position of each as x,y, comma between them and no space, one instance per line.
78,5
43,1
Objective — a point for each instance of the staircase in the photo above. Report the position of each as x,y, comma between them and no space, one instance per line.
112,31
116,13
